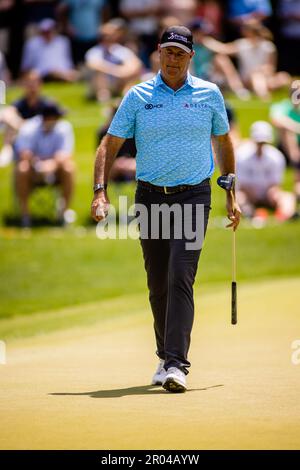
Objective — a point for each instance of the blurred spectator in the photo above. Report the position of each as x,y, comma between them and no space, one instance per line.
183,10
11,117
211,66
260,170
49,54
285,116
113,66
256,56
211,11
124,165
143,23
44,150
81,20
289,45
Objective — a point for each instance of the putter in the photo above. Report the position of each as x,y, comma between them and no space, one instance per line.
227,182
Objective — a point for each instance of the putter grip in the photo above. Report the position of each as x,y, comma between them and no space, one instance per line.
233,304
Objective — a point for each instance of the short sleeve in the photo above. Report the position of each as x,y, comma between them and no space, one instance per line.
278,167
26,137
66,143
94,54
279,109
123,123
220,124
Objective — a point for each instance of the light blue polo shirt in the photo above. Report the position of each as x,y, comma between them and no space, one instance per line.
172,129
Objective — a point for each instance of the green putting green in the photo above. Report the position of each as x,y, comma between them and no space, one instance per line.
88,387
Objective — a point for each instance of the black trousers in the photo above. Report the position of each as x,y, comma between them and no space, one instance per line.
171,267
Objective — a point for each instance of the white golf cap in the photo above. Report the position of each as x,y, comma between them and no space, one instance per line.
47,25
261,131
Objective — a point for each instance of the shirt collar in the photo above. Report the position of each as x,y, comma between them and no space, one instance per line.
159,81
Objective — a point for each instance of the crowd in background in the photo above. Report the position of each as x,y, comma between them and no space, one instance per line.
249,47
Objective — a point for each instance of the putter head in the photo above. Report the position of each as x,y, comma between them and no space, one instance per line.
226,181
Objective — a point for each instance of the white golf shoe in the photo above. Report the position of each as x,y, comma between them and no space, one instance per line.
160,374
175,380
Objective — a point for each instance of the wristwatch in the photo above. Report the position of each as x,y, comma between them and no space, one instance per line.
99,187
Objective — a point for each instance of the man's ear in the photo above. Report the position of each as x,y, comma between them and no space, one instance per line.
192,54
159,48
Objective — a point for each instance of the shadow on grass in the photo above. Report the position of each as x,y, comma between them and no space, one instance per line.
122,392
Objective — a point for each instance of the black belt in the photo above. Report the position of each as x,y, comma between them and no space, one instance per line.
172,189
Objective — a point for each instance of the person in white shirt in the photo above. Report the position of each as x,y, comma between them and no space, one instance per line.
114,67
49,54
260,169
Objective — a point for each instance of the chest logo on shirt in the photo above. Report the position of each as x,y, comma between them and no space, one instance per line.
152,106
195,105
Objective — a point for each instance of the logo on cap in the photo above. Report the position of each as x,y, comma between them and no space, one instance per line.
177,37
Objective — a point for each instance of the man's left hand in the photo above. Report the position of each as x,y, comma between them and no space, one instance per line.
233,211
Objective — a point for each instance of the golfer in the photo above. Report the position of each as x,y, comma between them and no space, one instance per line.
173,118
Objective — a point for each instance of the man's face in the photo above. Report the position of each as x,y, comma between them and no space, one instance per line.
174,62
32,84
49,123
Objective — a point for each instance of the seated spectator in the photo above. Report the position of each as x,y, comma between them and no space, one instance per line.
285,116
114,67
208,65
12,117
256,56
49,54
124,166
81,21
260,170
44,150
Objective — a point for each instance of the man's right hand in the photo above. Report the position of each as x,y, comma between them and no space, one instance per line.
100,206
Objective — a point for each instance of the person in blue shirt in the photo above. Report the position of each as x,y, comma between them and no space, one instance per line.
44,149
173,117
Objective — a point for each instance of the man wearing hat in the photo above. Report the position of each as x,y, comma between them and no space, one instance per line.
44,149
260,171
173,118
